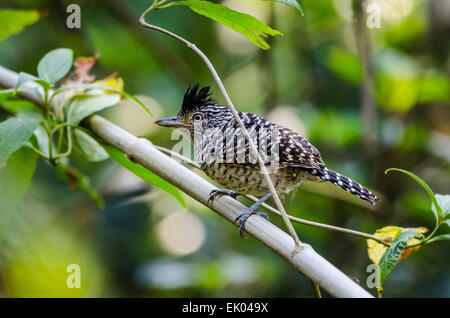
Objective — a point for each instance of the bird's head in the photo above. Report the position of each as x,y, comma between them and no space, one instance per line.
198,111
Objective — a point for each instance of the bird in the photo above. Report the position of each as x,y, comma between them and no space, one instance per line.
224,153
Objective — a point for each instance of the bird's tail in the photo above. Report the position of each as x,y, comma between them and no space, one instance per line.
345,183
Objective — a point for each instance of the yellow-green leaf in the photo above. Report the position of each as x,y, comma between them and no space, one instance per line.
13,21
113,82
394,253
376,250
144,174
243,23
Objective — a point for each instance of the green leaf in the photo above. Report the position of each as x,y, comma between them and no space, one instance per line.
13,21
390,258
88,148
104,88
294,3
5,93
144,174
437,211
15,178
31,90
243,23
23,78
44,84
14,132
22,107
40,140
55,65
440,238
443,201
84,105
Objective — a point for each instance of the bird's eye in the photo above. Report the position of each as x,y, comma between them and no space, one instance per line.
198,117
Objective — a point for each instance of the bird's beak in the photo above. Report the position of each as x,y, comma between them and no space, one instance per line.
174,122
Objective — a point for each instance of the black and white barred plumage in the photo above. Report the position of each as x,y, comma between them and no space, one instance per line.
345,183
290,158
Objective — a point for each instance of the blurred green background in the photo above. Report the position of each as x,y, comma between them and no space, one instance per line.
144,245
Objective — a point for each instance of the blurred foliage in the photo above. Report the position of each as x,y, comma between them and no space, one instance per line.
13,21
314,73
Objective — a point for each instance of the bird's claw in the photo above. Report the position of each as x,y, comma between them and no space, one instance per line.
241,218
244,216
219,192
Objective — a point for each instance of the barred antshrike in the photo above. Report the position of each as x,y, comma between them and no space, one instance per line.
226,156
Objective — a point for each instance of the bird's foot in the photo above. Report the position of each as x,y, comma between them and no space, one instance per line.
244,216
252,210
219,192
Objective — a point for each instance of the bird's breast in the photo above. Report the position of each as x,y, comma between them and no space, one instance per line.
248,179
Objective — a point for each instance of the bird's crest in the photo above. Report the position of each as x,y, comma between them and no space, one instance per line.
194,98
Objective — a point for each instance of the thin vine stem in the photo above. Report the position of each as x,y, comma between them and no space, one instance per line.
60,140
48,129
316,289
69,145
62,125
40,153
230,105
69,137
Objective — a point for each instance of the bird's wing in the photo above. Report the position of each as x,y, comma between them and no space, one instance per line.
276,144
297,151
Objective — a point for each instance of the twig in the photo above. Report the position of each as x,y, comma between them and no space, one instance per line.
214,73
316,289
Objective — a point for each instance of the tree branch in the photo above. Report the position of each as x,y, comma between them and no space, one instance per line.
302,257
